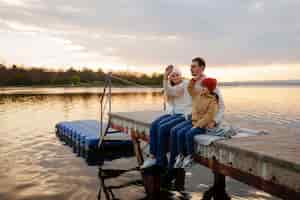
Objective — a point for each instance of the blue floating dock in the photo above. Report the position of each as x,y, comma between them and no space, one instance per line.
84,135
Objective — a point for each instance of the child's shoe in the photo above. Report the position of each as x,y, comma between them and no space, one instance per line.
179,161
187,162
148,163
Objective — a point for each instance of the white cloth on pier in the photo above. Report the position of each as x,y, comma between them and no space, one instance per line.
223,132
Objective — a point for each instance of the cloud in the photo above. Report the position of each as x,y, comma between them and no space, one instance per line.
13,2
149,33
20,3
257,6
17,26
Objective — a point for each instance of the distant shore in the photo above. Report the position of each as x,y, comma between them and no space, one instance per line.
74,86
17,76
91,85
262,83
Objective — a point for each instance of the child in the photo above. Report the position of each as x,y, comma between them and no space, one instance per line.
204,109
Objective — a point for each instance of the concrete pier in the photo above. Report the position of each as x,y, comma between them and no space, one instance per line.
268,162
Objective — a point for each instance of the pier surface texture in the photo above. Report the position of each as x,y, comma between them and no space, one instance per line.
268,162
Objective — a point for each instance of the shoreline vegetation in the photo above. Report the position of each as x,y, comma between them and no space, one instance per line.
17,76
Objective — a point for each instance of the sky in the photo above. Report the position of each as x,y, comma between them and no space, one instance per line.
239,39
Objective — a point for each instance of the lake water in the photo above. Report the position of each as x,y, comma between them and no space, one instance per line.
34,164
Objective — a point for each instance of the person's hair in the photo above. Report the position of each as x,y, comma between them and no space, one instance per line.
171,66
172,83
200,61
216,95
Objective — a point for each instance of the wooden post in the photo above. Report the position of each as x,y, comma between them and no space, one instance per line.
218,190
180,179
152,182
137,147
151,176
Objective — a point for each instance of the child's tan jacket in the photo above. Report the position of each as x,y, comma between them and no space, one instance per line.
204,107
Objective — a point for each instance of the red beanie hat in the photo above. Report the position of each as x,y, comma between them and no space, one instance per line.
210,83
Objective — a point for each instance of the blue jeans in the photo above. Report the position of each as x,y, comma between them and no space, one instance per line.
184,126
181,138
159,135
153,132
189,138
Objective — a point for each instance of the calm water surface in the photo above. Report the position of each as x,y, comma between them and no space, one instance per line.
34,164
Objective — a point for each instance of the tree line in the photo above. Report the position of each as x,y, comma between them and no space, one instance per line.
20,76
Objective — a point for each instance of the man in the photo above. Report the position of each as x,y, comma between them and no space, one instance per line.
197,70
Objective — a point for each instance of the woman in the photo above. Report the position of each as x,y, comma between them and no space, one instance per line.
178,106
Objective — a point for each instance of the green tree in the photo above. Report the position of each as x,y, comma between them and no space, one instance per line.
75,79
21,79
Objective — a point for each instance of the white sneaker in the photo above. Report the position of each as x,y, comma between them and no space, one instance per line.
179,161
187,162
148,163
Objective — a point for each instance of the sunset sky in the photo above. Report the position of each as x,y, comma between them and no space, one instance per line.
239,39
